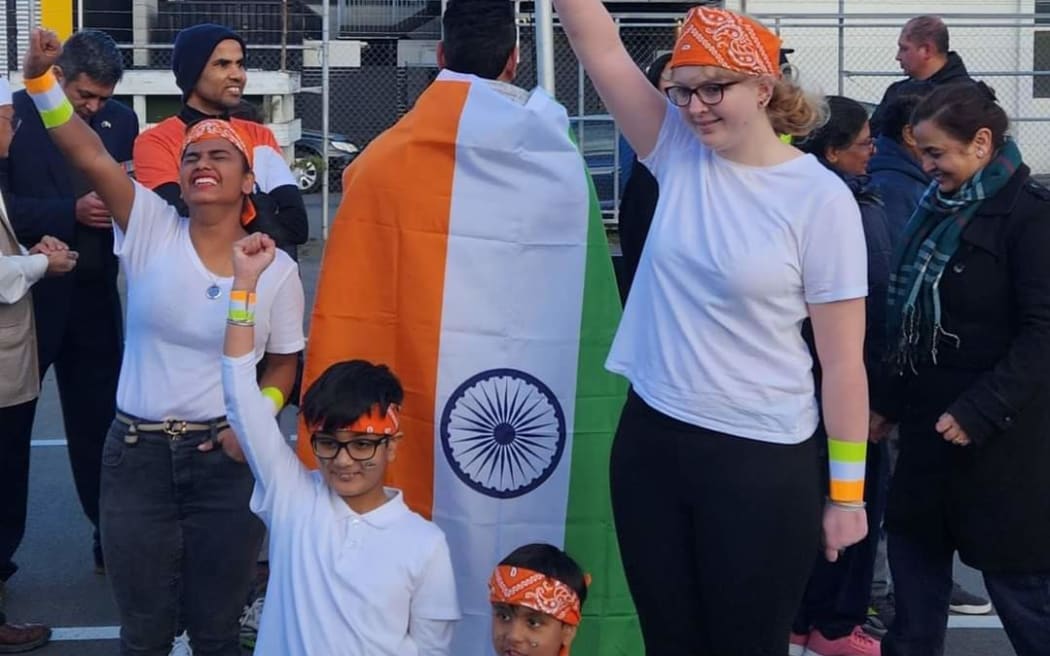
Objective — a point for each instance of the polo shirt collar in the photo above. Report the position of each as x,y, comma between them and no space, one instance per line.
382,517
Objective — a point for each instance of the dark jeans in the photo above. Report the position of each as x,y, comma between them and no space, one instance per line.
16,428
838,594
179,539
922,580
717,534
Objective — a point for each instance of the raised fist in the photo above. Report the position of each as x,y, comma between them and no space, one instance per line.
251,256
44,49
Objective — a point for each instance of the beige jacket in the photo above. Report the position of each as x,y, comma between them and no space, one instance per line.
19,372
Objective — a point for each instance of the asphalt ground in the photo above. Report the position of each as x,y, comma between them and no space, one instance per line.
56,583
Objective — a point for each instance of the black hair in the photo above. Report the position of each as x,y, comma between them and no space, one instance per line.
551,561
928,30
246,111
479,36
898,114
961,109
656,69
347,390
94,54
846,118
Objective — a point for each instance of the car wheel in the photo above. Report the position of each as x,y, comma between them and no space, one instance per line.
305,170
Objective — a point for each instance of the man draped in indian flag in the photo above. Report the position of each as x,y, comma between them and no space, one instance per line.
468,255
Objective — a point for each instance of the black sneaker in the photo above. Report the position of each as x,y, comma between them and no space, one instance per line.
965,602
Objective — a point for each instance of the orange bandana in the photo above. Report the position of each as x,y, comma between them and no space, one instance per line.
716,37
214,128
373,422
518,586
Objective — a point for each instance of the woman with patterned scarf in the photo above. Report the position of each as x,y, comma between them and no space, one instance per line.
969,342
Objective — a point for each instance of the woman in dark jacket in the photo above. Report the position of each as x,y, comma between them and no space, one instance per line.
836,600
969,324
895,171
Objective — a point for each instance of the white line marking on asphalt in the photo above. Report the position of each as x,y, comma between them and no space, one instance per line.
78,633
974,622
39,443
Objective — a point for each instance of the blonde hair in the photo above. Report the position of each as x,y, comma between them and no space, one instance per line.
795,111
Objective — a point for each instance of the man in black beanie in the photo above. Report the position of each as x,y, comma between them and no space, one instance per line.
208,62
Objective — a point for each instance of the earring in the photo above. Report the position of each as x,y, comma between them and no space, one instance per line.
534,644
980,153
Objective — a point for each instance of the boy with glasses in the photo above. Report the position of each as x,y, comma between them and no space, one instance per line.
352,569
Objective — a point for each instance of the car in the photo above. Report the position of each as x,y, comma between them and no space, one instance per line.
606,157
308,159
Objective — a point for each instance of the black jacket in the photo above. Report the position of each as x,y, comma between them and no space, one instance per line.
991,500
899,180
637,207
953,71
41,191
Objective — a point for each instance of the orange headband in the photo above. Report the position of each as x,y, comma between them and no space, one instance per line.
374,422
518,586
214,128
716,37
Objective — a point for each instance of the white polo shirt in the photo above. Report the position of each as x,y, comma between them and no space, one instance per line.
175,331
711,334
341,584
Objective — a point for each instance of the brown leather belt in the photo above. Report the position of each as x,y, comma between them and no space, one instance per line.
174,429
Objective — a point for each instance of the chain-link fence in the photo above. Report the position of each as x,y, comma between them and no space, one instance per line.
846,53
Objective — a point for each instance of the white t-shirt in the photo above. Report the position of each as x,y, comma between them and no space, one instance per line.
378,584
711,334
173,346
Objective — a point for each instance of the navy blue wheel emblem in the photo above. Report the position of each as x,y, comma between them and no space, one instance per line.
503,432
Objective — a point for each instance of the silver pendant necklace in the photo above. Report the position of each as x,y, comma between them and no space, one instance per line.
213,292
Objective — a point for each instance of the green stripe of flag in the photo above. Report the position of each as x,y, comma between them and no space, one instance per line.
610,625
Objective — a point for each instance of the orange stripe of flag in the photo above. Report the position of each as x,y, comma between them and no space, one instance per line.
381,288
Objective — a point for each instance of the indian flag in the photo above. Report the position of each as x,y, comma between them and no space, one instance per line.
468,255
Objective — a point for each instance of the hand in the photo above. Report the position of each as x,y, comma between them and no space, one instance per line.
44,49
92,212
227,439
951,431
48,245
251,256
61,261
842,528
878,427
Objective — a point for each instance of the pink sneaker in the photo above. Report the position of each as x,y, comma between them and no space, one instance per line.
797,644
856,643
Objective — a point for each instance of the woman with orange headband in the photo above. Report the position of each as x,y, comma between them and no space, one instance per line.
714,470
537,595
179,537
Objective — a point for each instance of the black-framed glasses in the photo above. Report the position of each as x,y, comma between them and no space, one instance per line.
709,93
327,446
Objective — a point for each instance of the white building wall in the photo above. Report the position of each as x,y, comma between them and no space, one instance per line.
988,46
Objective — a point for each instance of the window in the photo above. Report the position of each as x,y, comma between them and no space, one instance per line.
1041,51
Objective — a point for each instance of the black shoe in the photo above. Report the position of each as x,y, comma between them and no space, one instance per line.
883,610
965,602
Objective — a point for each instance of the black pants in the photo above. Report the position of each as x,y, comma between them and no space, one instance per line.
717,534
838,594
86,356
16,428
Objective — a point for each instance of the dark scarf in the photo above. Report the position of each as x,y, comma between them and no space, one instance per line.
930,239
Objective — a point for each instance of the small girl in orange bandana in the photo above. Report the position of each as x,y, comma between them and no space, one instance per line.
537,593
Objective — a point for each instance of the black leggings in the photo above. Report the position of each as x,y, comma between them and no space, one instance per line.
717,534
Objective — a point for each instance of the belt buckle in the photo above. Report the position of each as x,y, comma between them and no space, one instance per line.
174,428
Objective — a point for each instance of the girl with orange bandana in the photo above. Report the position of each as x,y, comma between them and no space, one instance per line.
714,472
179,536
537,595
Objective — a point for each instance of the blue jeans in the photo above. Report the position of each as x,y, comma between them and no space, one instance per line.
922,581
179,538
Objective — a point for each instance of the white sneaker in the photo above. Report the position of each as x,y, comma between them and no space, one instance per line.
181,646
250,623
